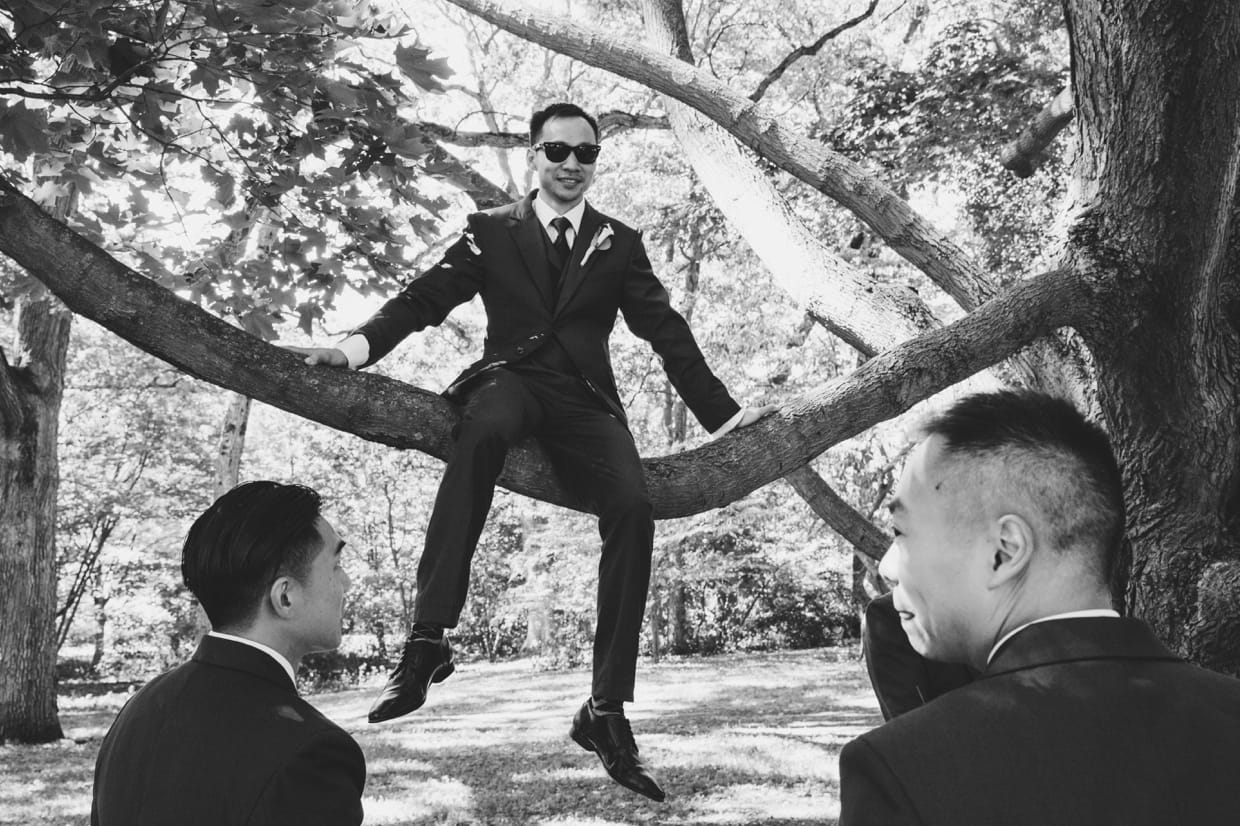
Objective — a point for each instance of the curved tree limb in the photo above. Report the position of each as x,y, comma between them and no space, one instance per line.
843,518
379,409
868,314
847,182
808,51
611,122
1023,155
479,188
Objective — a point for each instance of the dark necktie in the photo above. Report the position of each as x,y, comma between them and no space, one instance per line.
560,245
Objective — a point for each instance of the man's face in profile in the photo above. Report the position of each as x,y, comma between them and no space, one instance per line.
937,564
323,593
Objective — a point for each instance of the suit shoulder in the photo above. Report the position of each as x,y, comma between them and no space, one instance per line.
494,213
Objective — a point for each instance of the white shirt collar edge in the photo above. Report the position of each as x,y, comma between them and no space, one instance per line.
1088,612
546,212
268,650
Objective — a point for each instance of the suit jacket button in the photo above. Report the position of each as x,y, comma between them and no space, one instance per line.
520,351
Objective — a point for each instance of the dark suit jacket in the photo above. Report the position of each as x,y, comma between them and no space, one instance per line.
502,257
224,740
1076,722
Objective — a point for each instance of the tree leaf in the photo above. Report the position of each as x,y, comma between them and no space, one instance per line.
425,73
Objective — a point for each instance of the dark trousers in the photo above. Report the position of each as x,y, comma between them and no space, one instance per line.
592,453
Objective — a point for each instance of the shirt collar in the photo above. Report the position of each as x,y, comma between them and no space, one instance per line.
546,212
1089,612
271,652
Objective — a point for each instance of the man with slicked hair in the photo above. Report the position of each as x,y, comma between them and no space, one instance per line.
1008,522
553,275
224,739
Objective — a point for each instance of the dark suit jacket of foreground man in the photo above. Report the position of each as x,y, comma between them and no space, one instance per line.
1075,722
224,740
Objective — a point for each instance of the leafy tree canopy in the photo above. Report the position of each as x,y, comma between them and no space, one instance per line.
296,116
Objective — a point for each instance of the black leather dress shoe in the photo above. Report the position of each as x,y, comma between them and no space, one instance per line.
424,661
610,737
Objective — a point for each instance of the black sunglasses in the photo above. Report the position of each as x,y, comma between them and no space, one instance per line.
557,151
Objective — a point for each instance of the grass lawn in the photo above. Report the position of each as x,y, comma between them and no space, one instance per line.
739,739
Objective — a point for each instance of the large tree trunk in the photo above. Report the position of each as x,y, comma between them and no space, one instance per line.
1157,98
30,394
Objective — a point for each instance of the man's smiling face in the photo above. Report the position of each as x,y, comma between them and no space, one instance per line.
565,183
939,562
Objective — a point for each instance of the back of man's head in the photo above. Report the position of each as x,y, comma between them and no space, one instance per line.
237,548
1045,449
559,110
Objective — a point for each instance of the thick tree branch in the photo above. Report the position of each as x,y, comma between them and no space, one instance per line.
847,182
843,518
612,122
380,409
808,51
1023,155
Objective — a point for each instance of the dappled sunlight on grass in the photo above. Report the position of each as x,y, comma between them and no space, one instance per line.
740,739
438,800
46,784
748,803
576,821
378,766
755,755
557,774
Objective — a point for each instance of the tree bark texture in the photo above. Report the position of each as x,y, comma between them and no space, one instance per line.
1023,155
1157,94
30,392
231,444
374,407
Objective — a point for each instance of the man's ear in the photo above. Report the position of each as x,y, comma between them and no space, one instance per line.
530,152
1013,549
283,596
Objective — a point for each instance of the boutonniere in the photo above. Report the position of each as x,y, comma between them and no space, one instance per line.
600,242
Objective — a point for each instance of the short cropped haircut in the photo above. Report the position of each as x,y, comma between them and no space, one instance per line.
559,110
238,547
1060,459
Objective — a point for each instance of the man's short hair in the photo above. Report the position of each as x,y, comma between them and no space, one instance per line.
1063,462
559,110
249,537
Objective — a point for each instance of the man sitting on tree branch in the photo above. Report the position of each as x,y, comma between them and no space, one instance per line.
553,274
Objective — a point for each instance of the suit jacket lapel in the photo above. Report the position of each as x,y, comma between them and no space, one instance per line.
1067,640
528,234
576,273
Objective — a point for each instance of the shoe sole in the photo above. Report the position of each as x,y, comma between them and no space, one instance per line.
582,741
587,744
440,674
